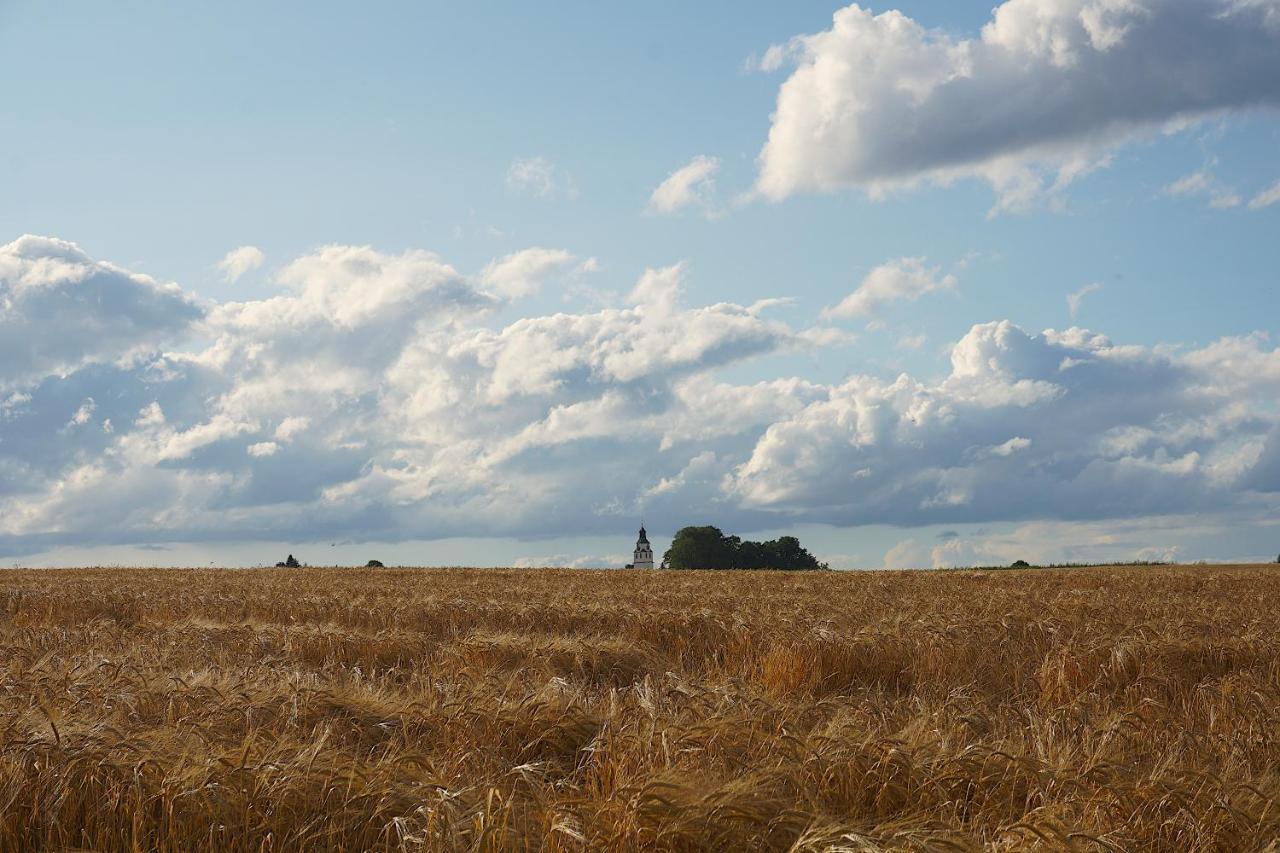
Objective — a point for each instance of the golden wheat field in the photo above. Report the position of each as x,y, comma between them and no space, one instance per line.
1084,709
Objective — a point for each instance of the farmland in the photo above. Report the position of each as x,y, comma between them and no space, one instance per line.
459,709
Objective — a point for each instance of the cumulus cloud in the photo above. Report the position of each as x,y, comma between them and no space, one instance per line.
376,397
540,177
239,261
902,279
1059,425
60,310
689,186
290,427
522,273
1038,98
371,397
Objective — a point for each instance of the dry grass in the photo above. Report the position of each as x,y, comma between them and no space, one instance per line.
1116,709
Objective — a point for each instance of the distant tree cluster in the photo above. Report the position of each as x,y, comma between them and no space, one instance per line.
292,563
708,548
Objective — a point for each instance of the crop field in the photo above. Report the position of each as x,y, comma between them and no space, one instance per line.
465,709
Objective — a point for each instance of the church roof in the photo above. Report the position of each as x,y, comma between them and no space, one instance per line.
643,537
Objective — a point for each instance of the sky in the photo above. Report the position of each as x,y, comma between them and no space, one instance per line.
924,283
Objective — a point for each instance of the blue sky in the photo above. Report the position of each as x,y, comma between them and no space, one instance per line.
969,176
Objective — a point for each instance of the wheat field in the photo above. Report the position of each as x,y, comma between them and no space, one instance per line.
466,709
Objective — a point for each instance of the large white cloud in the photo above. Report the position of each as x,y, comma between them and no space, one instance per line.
1041,95
372,397
59,309
377,397
1061,425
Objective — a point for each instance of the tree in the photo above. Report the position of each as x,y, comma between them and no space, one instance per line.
753,555
700,548
708,548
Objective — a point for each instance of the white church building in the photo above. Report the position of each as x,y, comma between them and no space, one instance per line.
643,558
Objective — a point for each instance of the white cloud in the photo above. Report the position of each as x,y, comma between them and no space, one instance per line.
1045,407
911,342
239,261
773,58
1266,198
60,310
691,185
377,398
1192,184
1074,299
373,389
1206,185
698,468
350,287
1042,95
540,177
897,280
521,273
1007,448
13,403
290,427
83,414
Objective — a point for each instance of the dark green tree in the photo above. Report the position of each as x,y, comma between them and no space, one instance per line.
700,548
786,552
752,555
708,548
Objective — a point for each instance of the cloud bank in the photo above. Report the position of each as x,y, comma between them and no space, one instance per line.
374,397
1039,97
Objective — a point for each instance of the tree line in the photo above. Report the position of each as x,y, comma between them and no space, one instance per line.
707,547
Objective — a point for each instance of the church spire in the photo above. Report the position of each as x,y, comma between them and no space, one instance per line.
643,558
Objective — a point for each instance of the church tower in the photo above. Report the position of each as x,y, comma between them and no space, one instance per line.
643,558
